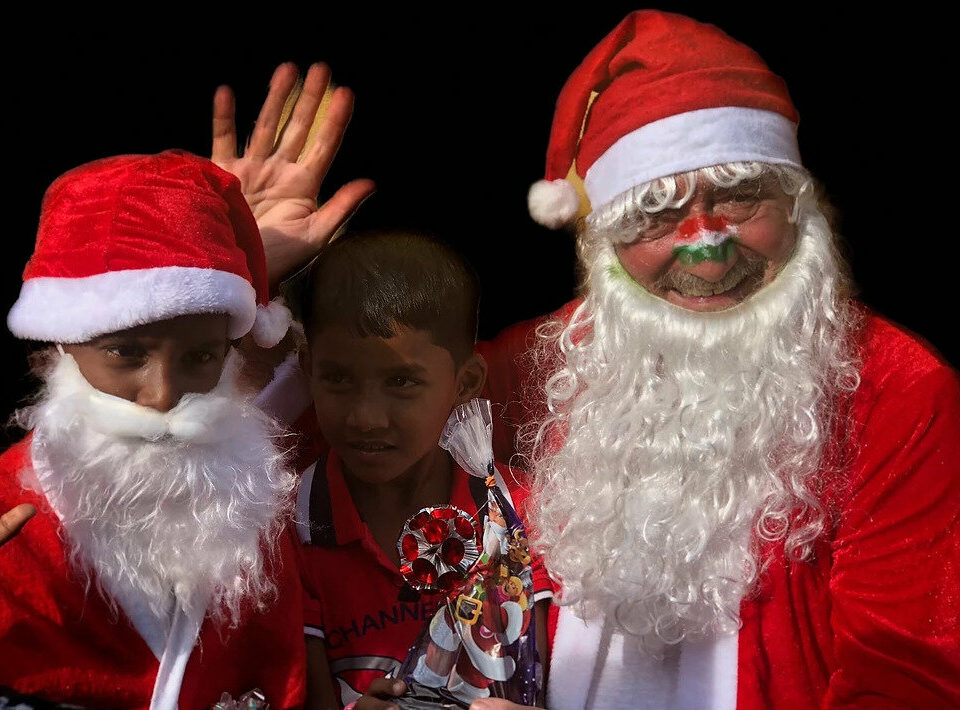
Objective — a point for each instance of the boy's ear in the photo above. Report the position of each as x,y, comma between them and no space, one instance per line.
471,378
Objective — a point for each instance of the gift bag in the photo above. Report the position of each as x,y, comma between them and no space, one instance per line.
481,642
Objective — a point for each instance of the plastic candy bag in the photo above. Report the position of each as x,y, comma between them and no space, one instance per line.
481,641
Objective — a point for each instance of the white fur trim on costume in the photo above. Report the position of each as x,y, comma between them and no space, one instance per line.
690,141
271,324
287,395
173,663
75,310
593,666
553,203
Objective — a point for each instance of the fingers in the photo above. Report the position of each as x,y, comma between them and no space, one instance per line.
338,209
379,693
301,119
284,256
14,519
224,126
495,704
329,134
265,132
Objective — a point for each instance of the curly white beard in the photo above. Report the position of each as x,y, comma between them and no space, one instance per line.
674,435
183,506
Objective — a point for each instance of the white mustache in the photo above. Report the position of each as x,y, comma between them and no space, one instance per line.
196,419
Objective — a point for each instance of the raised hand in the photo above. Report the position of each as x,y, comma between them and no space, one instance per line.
14,519
280,184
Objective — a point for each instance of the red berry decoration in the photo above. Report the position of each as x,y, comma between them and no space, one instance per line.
438,548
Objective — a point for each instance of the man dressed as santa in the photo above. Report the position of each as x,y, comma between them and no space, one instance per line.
747,483
156,571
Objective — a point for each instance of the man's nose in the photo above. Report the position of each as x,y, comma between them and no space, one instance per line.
159,389
712,270
367,413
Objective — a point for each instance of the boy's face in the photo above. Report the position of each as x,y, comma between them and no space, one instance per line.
155,364
381,403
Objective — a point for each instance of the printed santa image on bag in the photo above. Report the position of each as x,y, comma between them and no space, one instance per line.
481,642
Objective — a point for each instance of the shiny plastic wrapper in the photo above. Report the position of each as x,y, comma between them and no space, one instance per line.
481,642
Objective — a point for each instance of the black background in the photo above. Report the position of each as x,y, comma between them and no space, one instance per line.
452,117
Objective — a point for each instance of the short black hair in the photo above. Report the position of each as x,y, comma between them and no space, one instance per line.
372,282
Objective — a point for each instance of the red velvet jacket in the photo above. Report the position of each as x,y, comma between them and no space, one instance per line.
61,642
873,621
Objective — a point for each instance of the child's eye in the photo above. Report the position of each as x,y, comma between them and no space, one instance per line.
334,380
403,382
200,357
125,351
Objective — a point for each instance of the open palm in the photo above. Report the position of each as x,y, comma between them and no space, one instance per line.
279,183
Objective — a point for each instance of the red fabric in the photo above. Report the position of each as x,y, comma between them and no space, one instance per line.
654,65
351,590
873,621
133,212
63,643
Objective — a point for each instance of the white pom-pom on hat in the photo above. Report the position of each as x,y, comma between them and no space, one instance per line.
553,203
272,322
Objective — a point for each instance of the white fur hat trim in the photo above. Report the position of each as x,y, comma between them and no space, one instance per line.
553,203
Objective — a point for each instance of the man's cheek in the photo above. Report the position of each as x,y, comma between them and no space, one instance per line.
643,261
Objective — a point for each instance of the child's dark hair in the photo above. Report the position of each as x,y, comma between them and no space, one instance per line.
372,282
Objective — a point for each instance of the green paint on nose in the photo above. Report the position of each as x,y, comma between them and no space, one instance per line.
691,255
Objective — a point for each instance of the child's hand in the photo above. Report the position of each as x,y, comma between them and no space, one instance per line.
496,704
14,519
379,693
281,186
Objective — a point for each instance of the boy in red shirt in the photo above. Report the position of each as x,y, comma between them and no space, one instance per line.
390,321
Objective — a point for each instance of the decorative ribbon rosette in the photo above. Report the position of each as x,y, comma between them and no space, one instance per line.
481,641
437,547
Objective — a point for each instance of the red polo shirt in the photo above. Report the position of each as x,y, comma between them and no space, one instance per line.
355,597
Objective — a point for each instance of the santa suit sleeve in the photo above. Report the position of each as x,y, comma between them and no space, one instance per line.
894,585
515,377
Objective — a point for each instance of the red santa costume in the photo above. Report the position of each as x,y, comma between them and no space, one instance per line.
752,508
157,572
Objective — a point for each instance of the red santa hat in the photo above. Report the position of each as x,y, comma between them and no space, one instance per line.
661,94
135,239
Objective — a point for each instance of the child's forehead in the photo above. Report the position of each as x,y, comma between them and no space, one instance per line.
406,347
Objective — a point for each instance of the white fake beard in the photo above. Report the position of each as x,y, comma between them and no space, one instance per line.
184,505
679,440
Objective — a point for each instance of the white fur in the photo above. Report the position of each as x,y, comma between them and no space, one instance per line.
676,439
75,310
688,141
180,506
553,203
271,324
